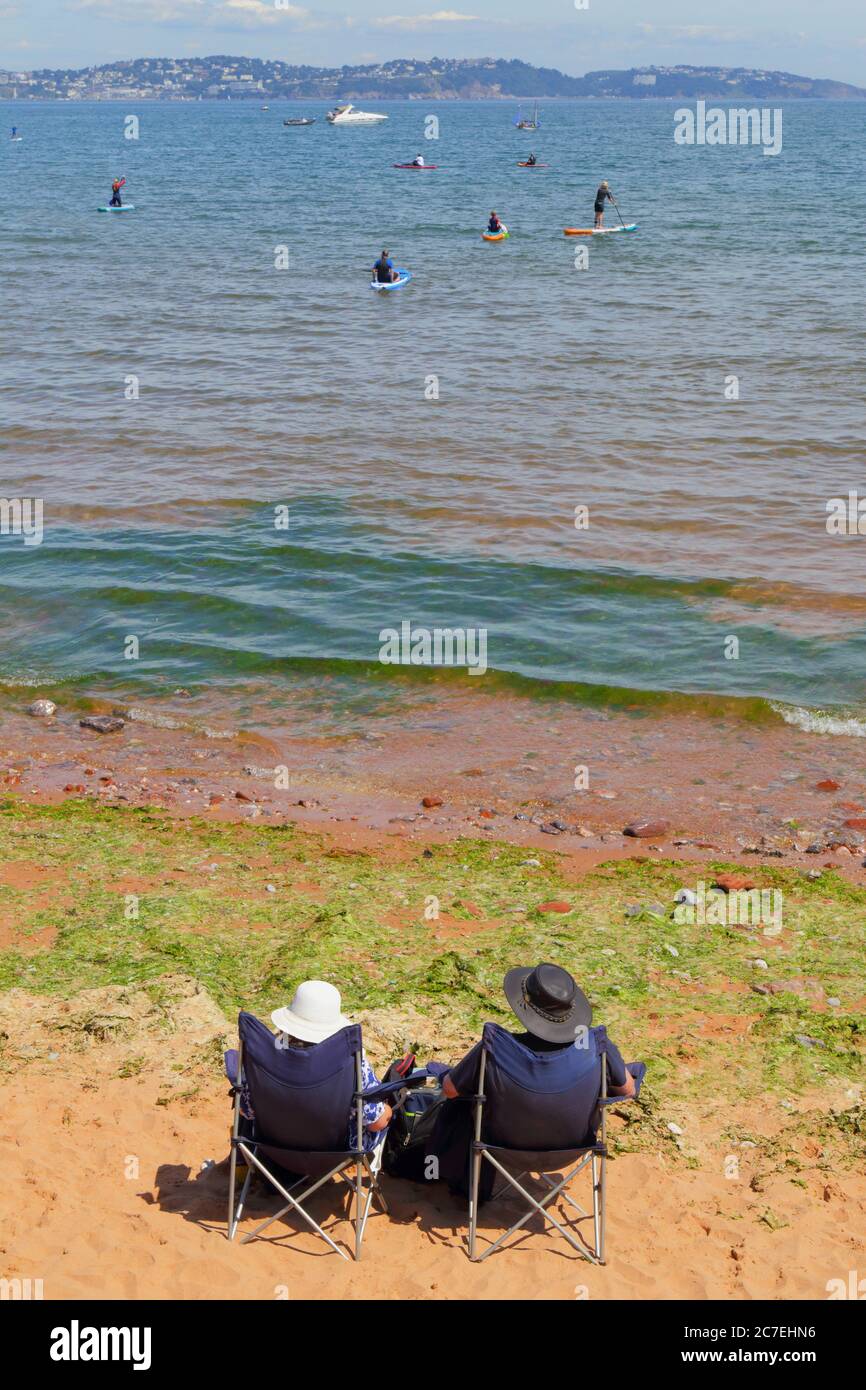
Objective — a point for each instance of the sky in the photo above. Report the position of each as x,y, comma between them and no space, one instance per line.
576,36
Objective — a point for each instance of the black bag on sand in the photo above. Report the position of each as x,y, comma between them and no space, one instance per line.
435,1128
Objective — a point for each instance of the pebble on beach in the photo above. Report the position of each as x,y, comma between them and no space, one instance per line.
42,709
646,829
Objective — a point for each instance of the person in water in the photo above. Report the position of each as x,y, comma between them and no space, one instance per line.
116,200
384,270
494,225
418,161
602,196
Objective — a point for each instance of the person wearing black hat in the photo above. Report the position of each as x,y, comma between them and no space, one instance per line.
556,1015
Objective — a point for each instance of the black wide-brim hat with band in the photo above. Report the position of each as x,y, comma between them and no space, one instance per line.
547,1001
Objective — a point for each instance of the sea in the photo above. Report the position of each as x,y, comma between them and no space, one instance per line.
618,458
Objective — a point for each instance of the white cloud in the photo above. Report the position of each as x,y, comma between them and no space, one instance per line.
260,11
214,13
422,21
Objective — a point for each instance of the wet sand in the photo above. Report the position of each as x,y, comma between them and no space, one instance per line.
502,767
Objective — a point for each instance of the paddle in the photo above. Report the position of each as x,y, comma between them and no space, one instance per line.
618,213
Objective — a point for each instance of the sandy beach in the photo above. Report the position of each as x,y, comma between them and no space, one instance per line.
739,1175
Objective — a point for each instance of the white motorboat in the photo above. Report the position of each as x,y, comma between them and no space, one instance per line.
347,115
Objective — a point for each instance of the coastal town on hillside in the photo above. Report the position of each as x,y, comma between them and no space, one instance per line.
234,78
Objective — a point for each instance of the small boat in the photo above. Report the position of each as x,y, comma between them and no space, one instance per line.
523,124
301,120
266,108
347,115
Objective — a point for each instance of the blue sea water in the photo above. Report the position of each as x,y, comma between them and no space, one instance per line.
431,445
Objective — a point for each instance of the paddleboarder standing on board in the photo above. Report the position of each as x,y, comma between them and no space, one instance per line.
602,196
116,200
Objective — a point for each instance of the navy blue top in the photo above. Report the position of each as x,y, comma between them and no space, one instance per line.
465,1074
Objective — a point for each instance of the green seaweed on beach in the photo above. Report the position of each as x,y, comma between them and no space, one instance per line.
682,998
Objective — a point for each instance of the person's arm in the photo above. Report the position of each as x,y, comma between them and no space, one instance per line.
377,1113
626,1090
461,1079
383,1120
620,1081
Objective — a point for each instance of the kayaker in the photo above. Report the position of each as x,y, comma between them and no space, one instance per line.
531,160
494,225
116,200
603,195
384,270
418,161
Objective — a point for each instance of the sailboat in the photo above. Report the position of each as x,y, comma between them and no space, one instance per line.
528,125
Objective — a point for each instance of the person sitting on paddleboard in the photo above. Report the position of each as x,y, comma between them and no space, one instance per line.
384,270
494,225
532,160
602,195
418,161
116,200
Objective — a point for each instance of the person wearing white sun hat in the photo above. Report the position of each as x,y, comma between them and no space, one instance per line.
314,1014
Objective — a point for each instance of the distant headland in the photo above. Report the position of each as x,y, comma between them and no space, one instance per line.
440,79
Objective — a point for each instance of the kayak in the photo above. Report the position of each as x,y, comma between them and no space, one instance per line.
599,231
495,236
403,278
524,164
124,207
419,167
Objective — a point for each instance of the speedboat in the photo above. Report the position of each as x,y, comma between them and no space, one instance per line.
347,115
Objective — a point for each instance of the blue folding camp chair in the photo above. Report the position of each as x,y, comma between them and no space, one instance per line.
537,1114
291,1122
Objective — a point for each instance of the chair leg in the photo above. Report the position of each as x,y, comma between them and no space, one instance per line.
473,1201
359,1221
539,1207
233,1223
233,1163
291,1202
602,1181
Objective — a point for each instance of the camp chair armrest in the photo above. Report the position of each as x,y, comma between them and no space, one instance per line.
388,1088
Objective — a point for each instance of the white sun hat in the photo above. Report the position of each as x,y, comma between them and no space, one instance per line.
314,1013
